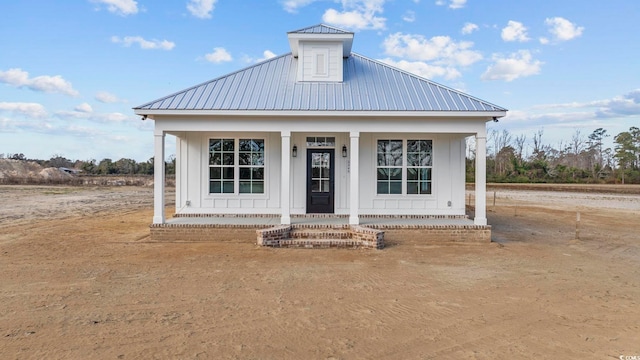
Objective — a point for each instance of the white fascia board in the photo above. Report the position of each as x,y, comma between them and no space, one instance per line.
487,115
347,40
172,124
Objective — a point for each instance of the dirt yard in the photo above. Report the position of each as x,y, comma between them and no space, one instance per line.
80,280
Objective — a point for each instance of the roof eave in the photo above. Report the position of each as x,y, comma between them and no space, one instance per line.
481,115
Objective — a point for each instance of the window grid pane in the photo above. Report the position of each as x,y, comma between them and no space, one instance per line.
221,166
389,167
419,166
251,166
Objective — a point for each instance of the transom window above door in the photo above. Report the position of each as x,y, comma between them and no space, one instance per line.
321,141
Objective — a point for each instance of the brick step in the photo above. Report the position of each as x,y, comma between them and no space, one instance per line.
320,234
320,243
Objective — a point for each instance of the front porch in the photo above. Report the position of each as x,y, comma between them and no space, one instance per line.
320,230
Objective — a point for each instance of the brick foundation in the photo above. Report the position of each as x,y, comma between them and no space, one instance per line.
322,236
471,234
195,233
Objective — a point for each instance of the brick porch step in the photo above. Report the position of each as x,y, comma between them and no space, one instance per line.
317,243
317,234
319,237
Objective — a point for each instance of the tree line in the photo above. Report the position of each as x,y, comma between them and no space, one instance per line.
582,159
105,166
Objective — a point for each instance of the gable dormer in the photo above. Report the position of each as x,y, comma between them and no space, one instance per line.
320,50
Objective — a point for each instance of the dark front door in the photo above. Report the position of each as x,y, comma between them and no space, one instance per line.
320,180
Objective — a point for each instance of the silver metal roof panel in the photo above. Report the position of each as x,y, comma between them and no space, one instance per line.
368,85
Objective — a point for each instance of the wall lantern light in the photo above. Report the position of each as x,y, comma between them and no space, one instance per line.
344,150
294,151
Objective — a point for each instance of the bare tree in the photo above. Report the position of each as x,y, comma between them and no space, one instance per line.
519,142
538,147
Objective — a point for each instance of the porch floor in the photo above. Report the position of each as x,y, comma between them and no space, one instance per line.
380,222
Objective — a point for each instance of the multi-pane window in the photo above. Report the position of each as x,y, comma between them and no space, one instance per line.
407,163
236,164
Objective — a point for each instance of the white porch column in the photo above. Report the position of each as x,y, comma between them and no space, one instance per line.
481,180
158,178
354,178
285,178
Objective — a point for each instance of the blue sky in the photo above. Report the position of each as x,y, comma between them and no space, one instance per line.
70,71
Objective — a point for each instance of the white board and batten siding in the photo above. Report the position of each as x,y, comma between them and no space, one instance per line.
192,177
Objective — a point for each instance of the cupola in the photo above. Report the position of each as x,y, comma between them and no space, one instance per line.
320,50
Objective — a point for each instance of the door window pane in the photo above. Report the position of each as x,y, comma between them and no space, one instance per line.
320,172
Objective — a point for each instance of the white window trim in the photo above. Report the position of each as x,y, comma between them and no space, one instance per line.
236,166
404,194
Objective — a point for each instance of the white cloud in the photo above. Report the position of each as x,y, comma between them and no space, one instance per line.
453,4
144,44
409,16
442,50
120,7
423,69
266,55
514,31
563,29
358,15
619,106
292,6
81,113
84,107
201,8
544,41
218,55
32,110
49,84
468,28
517,65
107,98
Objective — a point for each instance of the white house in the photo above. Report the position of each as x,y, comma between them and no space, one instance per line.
320,130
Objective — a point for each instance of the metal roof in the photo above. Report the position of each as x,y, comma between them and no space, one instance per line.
368,85
319,29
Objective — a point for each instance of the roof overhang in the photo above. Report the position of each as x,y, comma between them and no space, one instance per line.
346,39
480,115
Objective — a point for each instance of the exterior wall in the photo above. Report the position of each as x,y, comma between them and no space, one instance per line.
306,60
192,177
447,197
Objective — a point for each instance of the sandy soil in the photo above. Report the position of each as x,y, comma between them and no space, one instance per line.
80,280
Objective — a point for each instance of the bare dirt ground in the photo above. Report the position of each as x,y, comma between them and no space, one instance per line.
80,280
